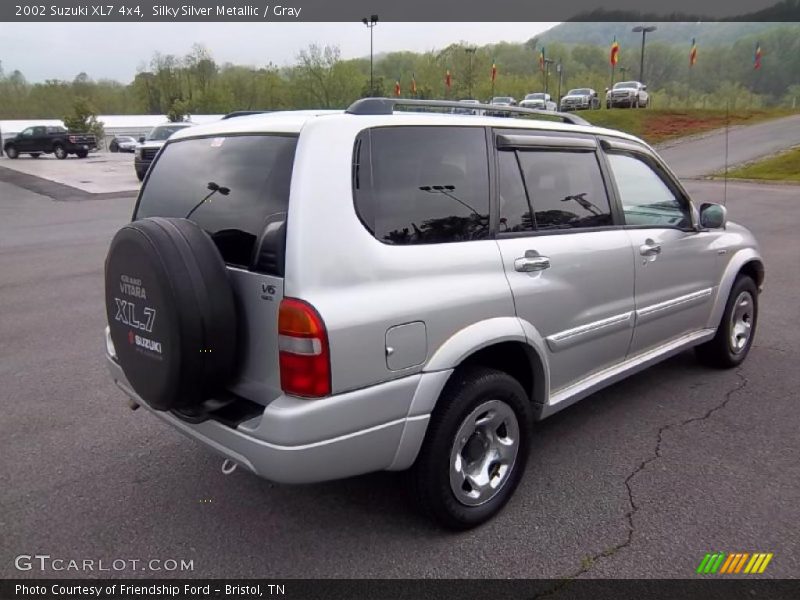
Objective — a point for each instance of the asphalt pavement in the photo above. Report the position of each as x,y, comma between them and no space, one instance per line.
639,480
705,154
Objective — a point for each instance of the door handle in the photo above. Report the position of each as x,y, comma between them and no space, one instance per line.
531,262
650,248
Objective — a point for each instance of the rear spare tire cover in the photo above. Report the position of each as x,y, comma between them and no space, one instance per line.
171,312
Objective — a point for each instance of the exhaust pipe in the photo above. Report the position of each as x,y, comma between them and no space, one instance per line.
228,466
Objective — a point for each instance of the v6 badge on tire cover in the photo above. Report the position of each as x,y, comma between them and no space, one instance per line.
171,311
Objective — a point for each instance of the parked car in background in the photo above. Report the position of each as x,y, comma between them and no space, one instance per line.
45,139
580,99
466,110
627,94
539,100
122,143
149,145
501,101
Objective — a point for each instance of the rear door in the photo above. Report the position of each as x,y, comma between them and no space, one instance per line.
236,187
568,261
676,265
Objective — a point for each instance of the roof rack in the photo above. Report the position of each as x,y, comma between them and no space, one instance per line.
386,106
243,113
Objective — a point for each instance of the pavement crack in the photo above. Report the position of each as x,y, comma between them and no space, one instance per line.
588,562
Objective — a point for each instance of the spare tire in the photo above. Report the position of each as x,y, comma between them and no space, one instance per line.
171,312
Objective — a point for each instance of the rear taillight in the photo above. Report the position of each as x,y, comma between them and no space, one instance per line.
304,355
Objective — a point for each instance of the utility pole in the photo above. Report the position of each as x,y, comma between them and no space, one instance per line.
370,22
644,31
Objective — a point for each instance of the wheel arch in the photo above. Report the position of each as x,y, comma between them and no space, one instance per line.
504,343
745,262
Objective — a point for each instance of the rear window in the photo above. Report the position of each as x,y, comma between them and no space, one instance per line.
232,187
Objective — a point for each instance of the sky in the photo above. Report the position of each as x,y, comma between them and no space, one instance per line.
116,50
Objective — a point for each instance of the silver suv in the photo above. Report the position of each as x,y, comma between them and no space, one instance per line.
315,295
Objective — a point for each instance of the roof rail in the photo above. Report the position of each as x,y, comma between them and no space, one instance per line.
243,113
386,106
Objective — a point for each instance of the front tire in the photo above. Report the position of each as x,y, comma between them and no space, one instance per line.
735,333
11,152
82,154
60,152
475,450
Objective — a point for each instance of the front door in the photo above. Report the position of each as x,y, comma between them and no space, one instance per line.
24,141
569,267
676,265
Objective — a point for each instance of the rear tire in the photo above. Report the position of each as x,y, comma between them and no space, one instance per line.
140,175
60,152
11,152
475,449
737,329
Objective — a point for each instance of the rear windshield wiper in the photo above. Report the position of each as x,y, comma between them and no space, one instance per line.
214,189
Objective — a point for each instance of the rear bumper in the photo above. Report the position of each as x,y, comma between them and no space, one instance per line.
305,441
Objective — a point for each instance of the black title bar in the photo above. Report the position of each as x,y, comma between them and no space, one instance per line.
702,587
398,11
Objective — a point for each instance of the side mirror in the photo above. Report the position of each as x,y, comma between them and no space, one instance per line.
644,87
141,139
713,216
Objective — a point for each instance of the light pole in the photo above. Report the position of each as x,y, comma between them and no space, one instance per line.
623,70
644,30
470,53
547,63
560,71
370,23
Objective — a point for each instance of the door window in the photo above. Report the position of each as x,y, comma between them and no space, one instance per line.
422,185
646,198
551,189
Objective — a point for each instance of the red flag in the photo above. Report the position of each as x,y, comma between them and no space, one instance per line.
494,71
693,53
397,87
541,59
614,58
448,80
757,56
413,84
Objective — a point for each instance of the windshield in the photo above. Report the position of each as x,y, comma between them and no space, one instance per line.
227,185
501,99
625,85
579,92
162,132
534,97
125,139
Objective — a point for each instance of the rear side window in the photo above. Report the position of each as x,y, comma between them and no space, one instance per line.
549,189
422,185
230,186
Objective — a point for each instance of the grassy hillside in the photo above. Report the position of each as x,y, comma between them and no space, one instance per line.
707,34
783,167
